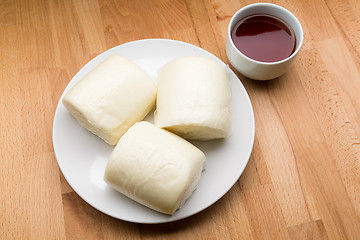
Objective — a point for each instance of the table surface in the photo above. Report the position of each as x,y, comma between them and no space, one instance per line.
303,177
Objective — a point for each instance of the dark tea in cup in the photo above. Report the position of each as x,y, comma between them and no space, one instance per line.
264,38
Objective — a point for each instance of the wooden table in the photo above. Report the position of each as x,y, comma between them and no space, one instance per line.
303,177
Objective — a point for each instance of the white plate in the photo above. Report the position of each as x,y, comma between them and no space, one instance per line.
82,156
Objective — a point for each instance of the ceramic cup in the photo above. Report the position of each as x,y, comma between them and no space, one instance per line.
255,69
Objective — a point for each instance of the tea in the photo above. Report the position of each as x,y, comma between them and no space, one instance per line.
264,38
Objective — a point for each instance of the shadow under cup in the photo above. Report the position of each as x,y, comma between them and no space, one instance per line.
254,69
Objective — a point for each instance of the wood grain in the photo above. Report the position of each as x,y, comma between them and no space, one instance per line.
303,177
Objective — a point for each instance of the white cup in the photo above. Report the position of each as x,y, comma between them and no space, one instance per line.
255,69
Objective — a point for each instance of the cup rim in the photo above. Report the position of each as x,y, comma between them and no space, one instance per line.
274,6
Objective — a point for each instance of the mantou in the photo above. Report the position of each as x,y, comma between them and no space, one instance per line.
194,98
154,167
111,98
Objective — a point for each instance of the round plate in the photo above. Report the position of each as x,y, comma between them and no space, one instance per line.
82,156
